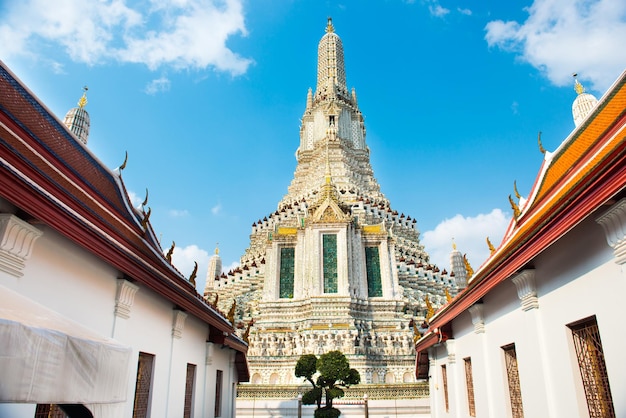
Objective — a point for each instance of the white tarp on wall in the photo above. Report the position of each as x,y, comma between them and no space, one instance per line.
48,358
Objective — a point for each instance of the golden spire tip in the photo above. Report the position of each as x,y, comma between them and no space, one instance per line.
329,27
83,100
577,86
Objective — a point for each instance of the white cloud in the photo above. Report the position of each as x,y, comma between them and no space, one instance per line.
438,11
231,266
469,234
561,37
181,34
215,210
183,259
178,213
158,85
135,200
466,12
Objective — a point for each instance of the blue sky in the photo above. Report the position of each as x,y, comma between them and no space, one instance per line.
206,96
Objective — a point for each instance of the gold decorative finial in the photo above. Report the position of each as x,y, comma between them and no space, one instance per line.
453,244
328,175
217,248
416,333
468,267
246,334
123,166
541,148
82,102
145,201
517,195
492,249
448,295
231,312
430,311
146,218
168,256
577,86
194,273
329,27
515,208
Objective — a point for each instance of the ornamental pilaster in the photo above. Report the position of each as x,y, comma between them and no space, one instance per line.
526,289
451,351
16,243
179,323
613,221
476,311
210,349
124,298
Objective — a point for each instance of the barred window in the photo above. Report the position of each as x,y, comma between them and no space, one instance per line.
189,386
143,385
329,251
469,380
592,367
515,391
444,379
372,267
49,411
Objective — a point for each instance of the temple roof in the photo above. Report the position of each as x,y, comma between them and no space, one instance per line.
587,169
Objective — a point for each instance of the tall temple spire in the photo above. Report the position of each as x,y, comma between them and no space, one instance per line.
331,72
333,132
333,268
77,119
583,104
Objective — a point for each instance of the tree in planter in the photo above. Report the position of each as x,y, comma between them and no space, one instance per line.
333,373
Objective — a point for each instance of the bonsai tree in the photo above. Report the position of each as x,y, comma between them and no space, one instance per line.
333,373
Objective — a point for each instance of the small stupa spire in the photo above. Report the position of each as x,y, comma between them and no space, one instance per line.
583,104
77,119
213,271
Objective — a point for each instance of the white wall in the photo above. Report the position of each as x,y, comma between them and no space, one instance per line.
73,282
576,278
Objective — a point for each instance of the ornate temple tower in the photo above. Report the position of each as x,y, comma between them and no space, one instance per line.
214,271
583,104
77,119
334,267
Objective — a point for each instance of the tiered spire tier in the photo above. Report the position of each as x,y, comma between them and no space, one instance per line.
333,132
